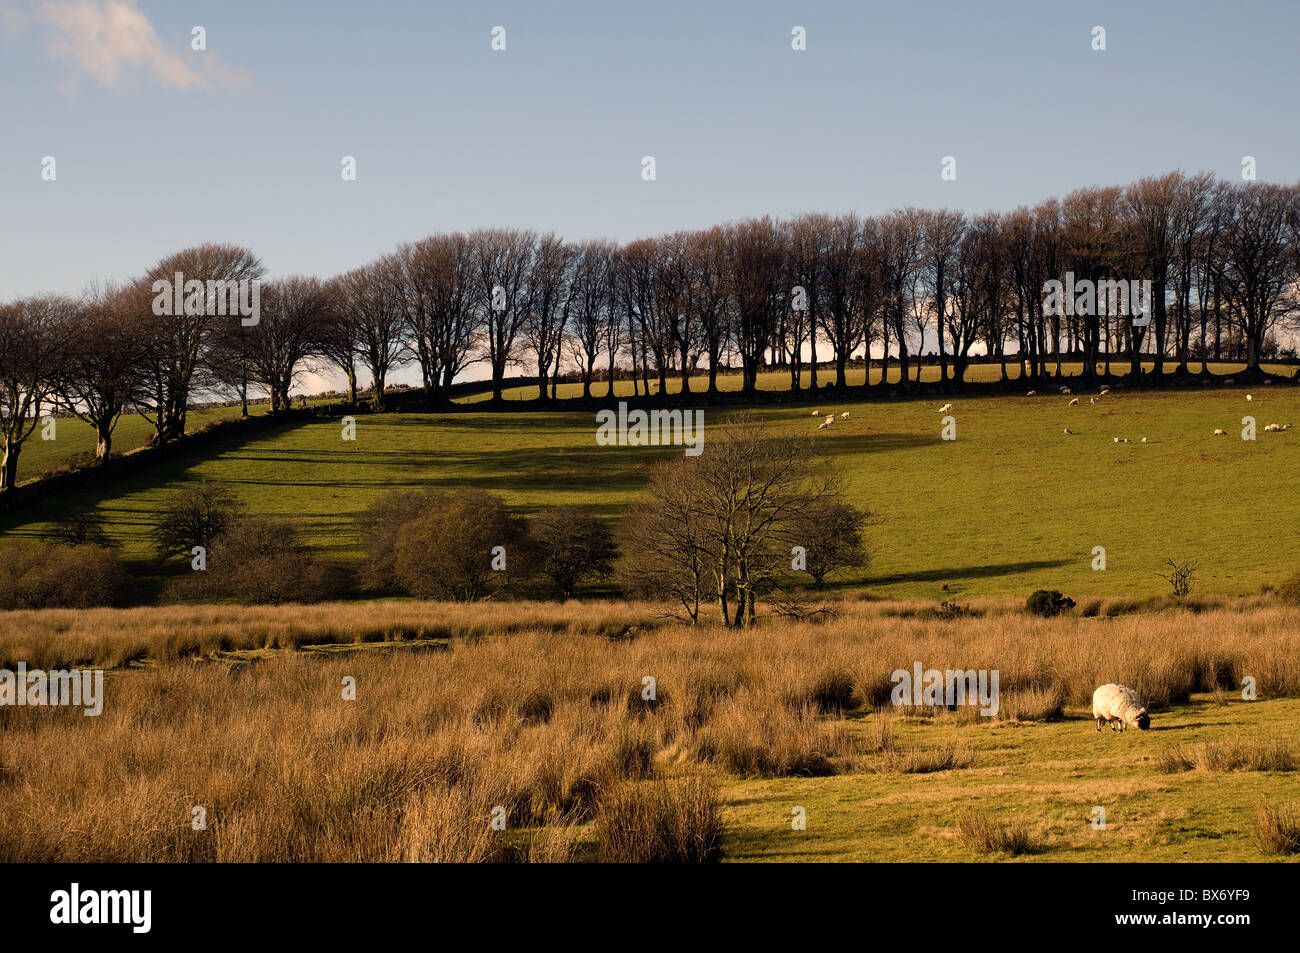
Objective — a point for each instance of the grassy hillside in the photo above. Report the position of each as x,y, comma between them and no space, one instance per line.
1011,505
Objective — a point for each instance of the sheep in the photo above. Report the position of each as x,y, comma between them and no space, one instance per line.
1144,439
1066,390
945,408
1220,432
1117,439
1270,428
1032,393
1104,391
1068,432
1093,400
816,413
844,416
1075,402
822,426
1126,440
1248,397
830,419
1119,706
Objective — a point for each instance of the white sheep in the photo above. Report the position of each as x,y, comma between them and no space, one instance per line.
1075,402
1248,397
822,426
1104,390
1032,393
830,419
1144,439
1066,390
1220,432
844,415
1093,400
1117,439
1068,432
1119,706
945,408
816,413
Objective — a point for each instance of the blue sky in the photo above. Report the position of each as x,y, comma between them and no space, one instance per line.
158,147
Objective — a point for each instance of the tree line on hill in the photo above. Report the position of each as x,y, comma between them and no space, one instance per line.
1223,260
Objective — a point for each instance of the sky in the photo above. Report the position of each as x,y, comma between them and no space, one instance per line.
157,146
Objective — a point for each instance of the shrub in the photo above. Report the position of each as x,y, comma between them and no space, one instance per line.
79,528
379,526
195,516
259,560
1289,591
51,575
1048,603
447,551
660,822
571,545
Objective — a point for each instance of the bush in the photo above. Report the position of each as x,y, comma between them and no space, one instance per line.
80,528
571,545
447,552
379,526
1048,603
259,560
1289,591
52,575
195,516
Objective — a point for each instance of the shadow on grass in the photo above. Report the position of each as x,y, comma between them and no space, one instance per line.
967,572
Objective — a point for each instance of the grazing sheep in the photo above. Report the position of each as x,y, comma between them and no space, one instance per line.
1286,426
945,408
1119,706
830,419
1032,393
1248,397
844,415
1117,439
1270,428
1093,400
822,426
1068,432
1219,432
1066,390
1075,402
816,413
1104,391
1144,439
1126,440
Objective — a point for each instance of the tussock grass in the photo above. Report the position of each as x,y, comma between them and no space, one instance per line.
546,720
1228,756
1277,828
661,822
987,835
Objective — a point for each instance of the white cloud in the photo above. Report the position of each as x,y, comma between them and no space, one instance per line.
112,41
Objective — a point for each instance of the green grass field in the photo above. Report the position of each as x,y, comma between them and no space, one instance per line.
1047,775
1011,505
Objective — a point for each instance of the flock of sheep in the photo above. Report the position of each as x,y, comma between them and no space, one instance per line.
1074,402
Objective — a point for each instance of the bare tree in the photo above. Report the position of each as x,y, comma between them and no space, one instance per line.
35,334
106,348
502,263
295,317
371,296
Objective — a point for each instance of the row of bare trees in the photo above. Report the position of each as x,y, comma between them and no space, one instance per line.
809,295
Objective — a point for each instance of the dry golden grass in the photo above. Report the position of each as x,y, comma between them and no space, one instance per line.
552,723
1229,756
987,835
1277,828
